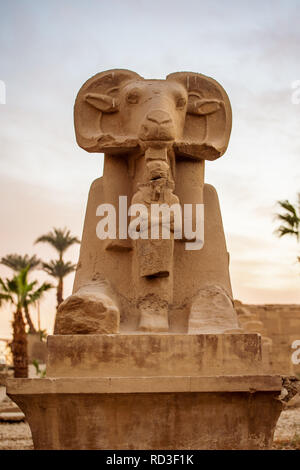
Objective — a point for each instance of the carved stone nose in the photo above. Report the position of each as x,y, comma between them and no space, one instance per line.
159,117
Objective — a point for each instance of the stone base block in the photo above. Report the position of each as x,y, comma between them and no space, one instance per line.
232,412
151,391
144,355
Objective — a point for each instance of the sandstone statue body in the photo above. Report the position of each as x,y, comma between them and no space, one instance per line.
156,136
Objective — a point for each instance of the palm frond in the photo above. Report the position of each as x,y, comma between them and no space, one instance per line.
290,219
22,276
288,207
3,286
281,231
6,298
38,293
59,268
12,285
6,294
24,291
18,262
60,239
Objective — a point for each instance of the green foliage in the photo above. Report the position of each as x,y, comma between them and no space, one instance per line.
20,292
60,239
59,268
18,262
41,373
43,335
290,220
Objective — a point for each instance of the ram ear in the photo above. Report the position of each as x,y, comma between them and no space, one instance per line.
97,124
208,119
201,107
104,103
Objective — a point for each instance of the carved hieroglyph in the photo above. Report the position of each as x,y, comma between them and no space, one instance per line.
156,135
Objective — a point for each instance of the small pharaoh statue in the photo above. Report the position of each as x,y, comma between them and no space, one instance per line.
154,247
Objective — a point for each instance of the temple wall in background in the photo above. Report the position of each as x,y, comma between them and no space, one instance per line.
279,325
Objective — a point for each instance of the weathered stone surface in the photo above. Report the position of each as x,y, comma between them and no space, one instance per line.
87,313
212,312
36,348
153,314
280,326
144,355
150,413
159,384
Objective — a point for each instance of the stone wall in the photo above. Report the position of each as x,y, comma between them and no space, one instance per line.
37,349
279,325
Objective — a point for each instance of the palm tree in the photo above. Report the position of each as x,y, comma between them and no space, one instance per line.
290,220
19,292
59,269
17,263
19,343
61,240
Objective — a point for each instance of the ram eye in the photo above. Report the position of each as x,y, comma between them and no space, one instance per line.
133,97
180,103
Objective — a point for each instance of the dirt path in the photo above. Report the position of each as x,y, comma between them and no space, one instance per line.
287,432
15,436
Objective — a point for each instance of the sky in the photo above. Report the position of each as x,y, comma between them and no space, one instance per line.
49,49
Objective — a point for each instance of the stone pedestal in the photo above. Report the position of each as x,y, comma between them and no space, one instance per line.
162,391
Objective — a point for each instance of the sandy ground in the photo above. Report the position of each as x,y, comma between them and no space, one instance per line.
287,433
15,436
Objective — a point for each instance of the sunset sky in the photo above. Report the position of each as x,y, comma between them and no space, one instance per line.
48,49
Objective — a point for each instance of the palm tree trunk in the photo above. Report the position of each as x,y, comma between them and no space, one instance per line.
59,293
59,297
19,346
28,319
